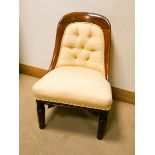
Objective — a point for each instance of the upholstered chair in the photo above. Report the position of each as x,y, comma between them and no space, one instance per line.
78,74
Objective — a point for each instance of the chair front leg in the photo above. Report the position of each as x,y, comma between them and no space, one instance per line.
41,114
102,124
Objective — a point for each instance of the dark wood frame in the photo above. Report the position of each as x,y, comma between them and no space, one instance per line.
105,26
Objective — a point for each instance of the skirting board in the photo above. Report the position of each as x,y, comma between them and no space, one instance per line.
119,94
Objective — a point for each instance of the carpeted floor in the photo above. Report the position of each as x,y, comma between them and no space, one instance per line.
71,131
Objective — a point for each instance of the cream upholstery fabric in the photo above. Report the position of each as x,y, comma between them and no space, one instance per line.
79,76
82,45
75,85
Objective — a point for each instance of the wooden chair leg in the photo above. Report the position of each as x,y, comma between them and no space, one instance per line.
102,124
41,114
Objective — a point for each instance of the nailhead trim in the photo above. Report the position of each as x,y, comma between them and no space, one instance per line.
75,104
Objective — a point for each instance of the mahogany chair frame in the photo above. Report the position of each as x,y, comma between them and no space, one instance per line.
64,21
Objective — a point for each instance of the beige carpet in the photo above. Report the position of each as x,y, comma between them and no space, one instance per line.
71,131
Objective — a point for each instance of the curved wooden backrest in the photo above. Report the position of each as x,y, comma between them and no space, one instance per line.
83,17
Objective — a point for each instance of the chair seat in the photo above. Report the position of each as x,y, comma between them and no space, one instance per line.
74,85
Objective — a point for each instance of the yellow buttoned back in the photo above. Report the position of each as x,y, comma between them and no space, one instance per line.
82,45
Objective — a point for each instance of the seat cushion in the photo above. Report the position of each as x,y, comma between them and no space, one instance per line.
74,85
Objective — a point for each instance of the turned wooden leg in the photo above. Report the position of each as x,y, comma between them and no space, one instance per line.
102,124
41,114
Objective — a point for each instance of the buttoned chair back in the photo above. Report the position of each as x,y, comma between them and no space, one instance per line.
83,39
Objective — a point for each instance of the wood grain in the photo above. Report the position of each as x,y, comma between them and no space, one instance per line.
123,95
32,71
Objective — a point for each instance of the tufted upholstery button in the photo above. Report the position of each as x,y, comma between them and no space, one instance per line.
92,50
90,35
87,58
76,33
75,56
70,46
82,46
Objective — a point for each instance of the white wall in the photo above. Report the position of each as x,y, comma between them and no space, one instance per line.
38,21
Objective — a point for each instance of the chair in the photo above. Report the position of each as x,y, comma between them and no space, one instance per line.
78,74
